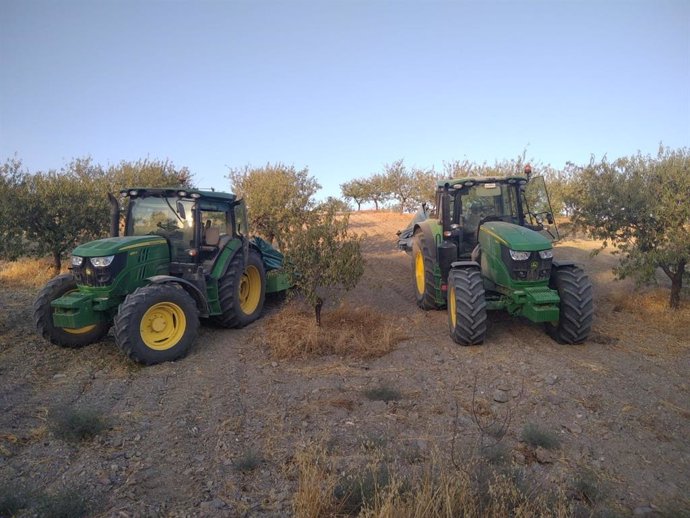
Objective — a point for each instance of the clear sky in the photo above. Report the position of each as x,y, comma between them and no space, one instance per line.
340,86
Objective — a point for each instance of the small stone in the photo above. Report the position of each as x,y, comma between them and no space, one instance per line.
501,396
137,438
573,428
60,375
642,510
274,364
551,379
543,455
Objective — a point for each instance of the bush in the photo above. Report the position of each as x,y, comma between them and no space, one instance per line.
535,436
383,393
74,425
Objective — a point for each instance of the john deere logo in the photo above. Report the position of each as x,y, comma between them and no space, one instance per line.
534,265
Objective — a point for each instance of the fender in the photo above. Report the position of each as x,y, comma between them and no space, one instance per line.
192,289
464,264
428,236
559,264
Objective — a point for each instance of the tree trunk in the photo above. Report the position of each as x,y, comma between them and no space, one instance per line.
676,283
57,262
359,205
376,204
317,310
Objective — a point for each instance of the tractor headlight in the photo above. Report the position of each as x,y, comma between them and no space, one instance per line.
102,262
546,254
519,256
77,261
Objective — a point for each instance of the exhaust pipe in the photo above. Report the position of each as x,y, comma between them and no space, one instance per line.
114,216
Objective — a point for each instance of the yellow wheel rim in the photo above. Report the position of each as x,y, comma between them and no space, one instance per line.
250,290
451,307
79,330
162,326
419,271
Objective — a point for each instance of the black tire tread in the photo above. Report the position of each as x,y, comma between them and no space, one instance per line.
43,316
470,306
425,300
576,306
232,315
128,319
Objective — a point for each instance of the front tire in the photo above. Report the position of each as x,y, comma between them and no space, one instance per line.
62,336
466,306
242,291
423,269
576,306
157,323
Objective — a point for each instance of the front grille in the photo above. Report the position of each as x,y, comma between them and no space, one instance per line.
88,275
533,269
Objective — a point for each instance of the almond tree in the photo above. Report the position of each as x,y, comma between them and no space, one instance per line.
323,254
640,205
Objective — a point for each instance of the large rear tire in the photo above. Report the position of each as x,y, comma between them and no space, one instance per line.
157,323
242,291
62,336
423,269
576,306
466,306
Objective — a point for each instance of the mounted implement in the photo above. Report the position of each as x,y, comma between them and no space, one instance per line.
185,254
489,247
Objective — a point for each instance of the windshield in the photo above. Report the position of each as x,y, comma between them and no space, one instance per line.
489,200
169,217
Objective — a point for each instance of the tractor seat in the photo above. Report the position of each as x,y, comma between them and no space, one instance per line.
211,240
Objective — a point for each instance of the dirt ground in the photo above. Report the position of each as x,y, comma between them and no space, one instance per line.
180,434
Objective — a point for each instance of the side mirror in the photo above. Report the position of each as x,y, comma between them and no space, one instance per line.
180,210
549,218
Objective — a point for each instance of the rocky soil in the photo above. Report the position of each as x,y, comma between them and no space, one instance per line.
216,434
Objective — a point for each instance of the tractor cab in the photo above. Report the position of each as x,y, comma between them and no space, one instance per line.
472,202
489,245
195,224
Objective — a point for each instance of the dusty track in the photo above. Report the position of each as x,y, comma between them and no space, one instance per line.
178,432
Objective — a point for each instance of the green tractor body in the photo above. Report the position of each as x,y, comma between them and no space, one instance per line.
184,254
489,247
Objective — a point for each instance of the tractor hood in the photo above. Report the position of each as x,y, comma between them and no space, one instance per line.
114,245
516,237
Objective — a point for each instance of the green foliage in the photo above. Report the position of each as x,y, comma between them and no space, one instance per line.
535,436
49,213
277,196
12,179
321,253
248,461
359,490
383,393
379,189
13,498
74,425
409,187
356,190
336,204
65,504
640,205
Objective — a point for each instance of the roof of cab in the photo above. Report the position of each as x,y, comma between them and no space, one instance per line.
480,179
179,191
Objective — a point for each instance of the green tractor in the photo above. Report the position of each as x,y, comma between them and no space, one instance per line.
185,254
490,248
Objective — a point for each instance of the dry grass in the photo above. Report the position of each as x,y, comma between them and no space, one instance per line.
346,331
32,273
313,498
651,306
439,491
